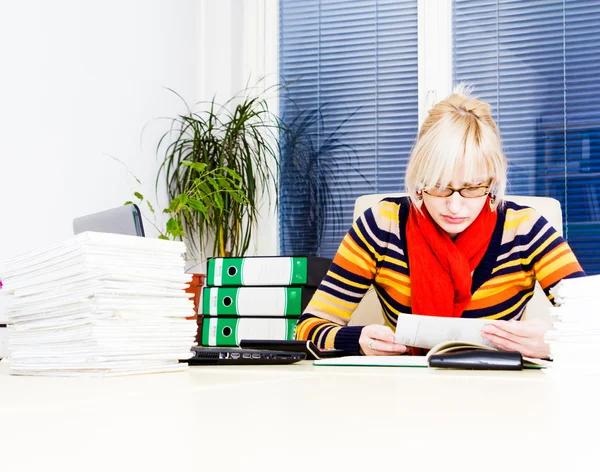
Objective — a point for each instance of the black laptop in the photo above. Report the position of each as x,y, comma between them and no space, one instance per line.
241,356
307,347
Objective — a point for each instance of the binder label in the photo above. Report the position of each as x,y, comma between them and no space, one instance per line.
267,271
267,301
230,331
253,301
214,302
217,269
265,328
212,330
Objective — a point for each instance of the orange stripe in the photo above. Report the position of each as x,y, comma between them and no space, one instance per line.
561,273
351,266
495,299
393,277
305,327
353,245
506,279
553,255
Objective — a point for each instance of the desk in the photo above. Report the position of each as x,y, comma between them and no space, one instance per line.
294,417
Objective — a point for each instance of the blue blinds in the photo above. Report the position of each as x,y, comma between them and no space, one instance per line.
537,64
351,105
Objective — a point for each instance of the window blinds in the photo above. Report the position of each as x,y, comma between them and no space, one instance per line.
351,103
537,64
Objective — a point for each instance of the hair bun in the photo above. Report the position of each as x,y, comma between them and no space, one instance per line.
464,103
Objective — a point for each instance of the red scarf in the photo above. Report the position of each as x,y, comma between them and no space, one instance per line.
441,269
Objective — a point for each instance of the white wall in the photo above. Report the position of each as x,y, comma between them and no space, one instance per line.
81,80
239,47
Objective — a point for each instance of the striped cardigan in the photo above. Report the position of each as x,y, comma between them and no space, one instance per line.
524,248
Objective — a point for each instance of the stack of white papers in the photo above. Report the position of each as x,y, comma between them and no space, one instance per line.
99,304
575,336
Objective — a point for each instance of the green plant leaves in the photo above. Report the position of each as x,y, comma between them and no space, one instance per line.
174,228
223,162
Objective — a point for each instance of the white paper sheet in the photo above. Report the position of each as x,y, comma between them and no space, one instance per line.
427,331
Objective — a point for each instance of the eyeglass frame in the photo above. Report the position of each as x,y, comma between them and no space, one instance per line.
488,186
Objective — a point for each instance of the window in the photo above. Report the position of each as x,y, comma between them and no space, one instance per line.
537,64
353,65
352,105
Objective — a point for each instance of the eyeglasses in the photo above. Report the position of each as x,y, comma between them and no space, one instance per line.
472,191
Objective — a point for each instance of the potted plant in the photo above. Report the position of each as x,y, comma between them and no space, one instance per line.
218,164
204,193
240,136
316,159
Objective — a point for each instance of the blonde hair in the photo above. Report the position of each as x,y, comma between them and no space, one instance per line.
460,136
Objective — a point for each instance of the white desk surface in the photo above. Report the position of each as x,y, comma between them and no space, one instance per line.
298,417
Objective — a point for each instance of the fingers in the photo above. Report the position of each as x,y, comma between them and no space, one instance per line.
382,333
528,348
378,340
525,328
384,348
503,342
515,328
528,341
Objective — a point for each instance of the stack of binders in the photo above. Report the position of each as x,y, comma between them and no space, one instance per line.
257,297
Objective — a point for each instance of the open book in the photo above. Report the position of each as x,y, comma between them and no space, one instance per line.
445,347
452,347
439,335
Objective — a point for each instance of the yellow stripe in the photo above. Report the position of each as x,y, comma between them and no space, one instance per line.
527,260
330,338
356,259
390,274
389,211
303,328
565,259
390,308
403,289
329,299
520,303
344,280
364,240
501,283
515,217
399,262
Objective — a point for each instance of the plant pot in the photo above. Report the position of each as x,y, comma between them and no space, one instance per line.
195,290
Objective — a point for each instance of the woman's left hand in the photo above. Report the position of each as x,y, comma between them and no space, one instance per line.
526,336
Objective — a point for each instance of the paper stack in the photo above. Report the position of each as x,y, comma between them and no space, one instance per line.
3,324
575,336
99,304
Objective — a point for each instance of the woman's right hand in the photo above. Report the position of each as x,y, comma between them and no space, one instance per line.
378,340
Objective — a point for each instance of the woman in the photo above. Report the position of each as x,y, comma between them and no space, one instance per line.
452,248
